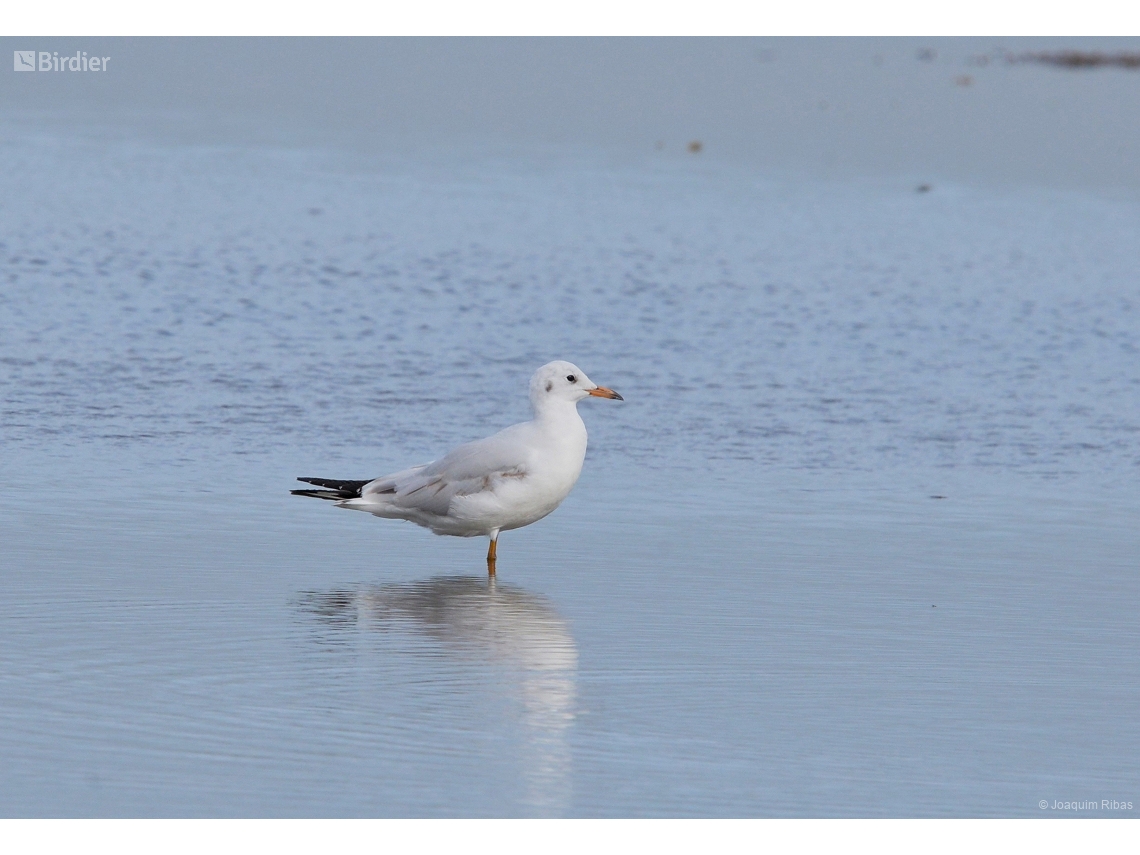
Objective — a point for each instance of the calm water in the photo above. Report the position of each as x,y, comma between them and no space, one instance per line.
753,604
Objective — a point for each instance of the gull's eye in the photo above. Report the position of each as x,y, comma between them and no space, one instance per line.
571,378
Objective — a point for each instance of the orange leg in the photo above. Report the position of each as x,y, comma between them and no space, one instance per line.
491,555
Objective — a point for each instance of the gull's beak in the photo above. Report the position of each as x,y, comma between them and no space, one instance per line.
603,392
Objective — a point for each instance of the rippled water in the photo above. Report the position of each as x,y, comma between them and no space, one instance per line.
860,541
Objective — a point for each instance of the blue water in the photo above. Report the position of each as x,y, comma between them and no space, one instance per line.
860,541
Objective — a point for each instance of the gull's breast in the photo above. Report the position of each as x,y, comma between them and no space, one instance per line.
517,499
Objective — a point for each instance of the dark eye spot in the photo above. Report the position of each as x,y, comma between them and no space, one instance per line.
549,385
571,378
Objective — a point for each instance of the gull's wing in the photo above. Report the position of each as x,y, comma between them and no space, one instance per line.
471,468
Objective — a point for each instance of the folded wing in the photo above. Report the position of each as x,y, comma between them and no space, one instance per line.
467,470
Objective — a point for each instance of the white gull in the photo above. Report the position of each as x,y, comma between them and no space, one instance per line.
503,482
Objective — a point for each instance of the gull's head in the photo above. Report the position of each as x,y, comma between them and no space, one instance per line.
564,381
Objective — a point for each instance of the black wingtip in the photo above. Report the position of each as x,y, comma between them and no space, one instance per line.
333,489
331,495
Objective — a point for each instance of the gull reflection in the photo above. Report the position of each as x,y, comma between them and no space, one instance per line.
517,633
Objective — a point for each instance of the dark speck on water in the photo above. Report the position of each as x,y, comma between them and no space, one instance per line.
1074,59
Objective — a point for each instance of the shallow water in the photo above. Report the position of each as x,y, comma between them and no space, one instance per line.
753,604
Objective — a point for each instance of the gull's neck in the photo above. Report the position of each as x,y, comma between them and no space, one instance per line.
554,412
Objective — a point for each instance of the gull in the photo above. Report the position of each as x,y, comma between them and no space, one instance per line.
508,480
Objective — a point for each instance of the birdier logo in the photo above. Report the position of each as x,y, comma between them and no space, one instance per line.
30,60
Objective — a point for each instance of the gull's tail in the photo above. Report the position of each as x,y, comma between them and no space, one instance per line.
336,491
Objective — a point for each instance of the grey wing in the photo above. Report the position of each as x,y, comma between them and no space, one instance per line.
411,489
466,470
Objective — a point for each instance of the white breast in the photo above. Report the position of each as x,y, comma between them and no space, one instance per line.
554,452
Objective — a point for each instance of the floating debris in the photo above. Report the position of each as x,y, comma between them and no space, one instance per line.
927,55
964,80
924,188
1080,59
695,147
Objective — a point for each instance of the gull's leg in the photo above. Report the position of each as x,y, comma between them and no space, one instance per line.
491,553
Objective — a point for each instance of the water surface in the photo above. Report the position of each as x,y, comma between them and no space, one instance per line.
860,541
